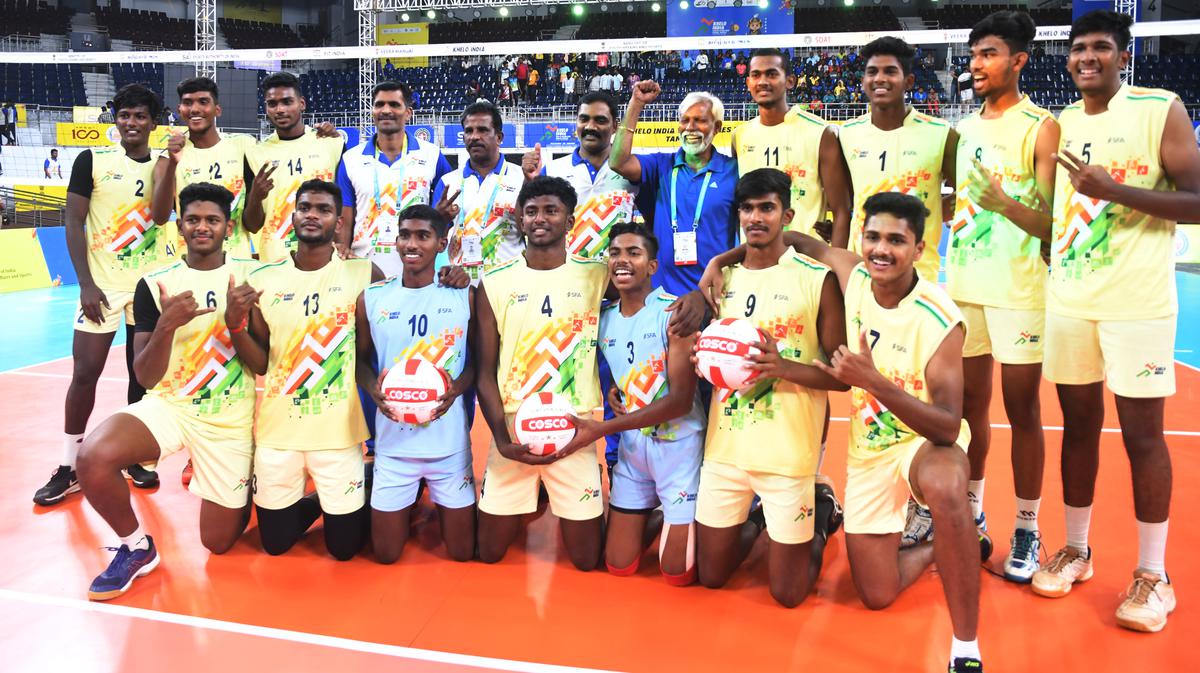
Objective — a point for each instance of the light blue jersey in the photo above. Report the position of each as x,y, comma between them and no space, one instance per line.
636,351
431,323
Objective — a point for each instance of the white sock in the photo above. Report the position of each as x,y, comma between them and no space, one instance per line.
136,540
71,449
1027,513
1078,520
975,495
1152,548
968,649
821,458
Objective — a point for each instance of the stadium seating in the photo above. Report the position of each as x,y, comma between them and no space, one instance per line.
30,17
612,25
966,16
257,34
312,36
149,74
150,28
42,84
844,19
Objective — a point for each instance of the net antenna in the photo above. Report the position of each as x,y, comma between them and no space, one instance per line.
1129,7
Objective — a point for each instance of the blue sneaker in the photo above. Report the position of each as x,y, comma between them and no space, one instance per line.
1024,557
125,567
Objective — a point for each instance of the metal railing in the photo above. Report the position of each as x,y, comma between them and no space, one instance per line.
23,208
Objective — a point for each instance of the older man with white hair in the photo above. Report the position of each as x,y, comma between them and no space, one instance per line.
691,188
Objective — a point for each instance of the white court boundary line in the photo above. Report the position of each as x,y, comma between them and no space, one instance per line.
22,368
291,636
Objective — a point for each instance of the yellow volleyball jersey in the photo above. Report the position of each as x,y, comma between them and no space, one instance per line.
908,160
775,425
305,158
793,147
902,340
222,164
204,376
989,260
549,324
124,244
1108,261
310,399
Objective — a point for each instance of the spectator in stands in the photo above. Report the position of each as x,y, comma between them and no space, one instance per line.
106,115
474,93
702,61
740,68
660,66
597,83
523,77
532,86
51,167
966,87
685,62
935,103
9,113
568,88
919,97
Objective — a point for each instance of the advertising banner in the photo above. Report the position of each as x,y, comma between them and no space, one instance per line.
22,265
404,33
85,114
725,18
454,137
102,135
665,135
559,136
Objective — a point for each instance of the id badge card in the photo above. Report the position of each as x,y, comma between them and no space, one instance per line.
385,240
685,248
472,250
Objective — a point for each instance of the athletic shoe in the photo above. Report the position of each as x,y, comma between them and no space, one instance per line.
825,496
140,476
186,476
965,665
1066,567
756,515
1148,601
985,540
62,483
1024,556
918,527
125,567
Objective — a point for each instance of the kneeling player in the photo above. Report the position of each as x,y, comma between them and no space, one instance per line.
410,316
765,439
301,338
200,396
907,434
538,326
662,423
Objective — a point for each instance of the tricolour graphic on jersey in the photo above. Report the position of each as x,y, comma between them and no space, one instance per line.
876,427
209,372
315,369
443,350
594,218
1082,235
913,183
551,358
489,227
131,235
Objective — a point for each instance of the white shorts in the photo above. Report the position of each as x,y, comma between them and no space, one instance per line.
451,481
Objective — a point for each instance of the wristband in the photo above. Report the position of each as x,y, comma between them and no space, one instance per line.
241,327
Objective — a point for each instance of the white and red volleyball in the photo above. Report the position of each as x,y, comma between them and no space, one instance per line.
722,349
544,423
412,388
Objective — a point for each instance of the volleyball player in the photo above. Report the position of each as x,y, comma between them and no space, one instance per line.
895,148
765,440
293,322
201,396
383,175
203,155
113,242
796,142
1128,170
994,267
410,316
661,423
538,327
290,156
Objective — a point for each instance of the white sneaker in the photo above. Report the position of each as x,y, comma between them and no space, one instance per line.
1024,556
918,525
1065,568
1148,601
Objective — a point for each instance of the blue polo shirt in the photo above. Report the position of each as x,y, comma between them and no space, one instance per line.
342,178
717,229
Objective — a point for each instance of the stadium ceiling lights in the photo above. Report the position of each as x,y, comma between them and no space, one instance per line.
503,11
577,10
763,4
683,4
656,7
405,17
431,15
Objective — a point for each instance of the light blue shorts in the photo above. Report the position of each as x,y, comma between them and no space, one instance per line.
451,481
651,471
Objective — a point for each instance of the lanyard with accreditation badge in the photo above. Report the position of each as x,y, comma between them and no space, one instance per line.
472,241
685,241
386,224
